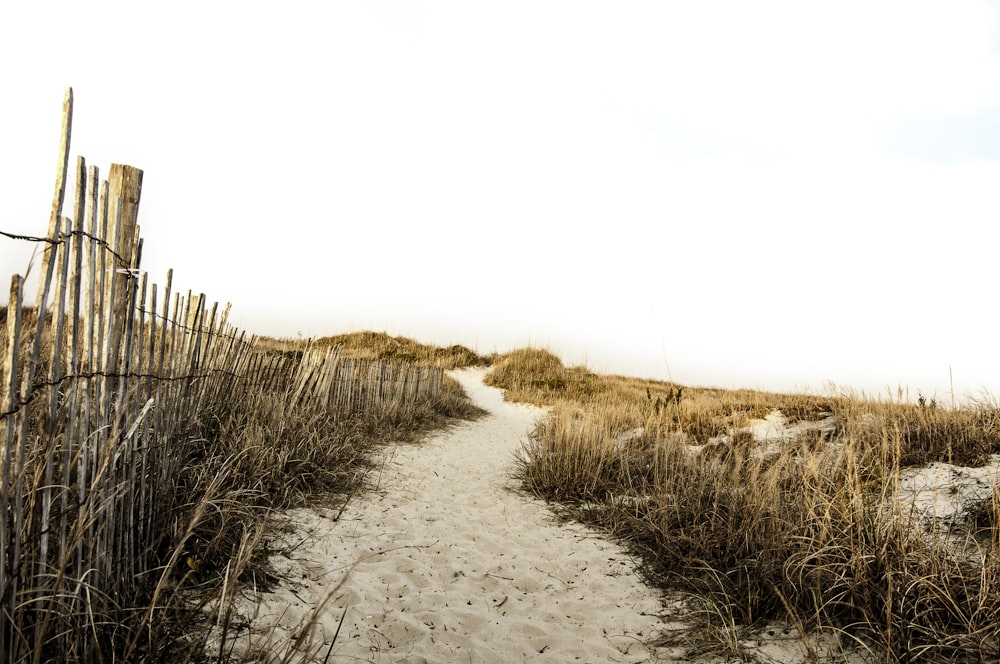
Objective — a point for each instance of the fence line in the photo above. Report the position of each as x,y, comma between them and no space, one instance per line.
99,379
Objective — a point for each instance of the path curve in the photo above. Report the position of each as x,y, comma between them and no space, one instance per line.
447,562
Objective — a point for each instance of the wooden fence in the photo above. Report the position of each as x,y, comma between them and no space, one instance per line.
351,385
98,380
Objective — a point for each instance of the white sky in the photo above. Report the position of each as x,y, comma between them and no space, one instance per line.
779,194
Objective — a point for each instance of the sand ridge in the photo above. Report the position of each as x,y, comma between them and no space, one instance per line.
447,562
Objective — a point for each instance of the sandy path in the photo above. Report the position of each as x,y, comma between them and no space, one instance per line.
445,563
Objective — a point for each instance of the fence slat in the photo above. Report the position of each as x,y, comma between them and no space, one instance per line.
9,402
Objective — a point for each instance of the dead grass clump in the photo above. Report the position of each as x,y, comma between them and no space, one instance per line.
579,456
964,436
529,375
983,517
382,346
378,346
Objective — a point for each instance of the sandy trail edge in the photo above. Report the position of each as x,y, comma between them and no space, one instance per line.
445,563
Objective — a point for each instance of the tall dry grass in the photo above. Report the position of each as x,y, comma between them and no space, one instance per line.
812,530
233,460
266,457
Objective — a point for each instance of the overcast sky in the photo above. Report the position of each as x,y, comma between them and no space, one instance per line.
760,194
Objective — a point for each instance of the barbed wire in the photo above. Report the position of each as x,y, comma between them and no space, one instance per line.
127,272
37,387
63,236
188,328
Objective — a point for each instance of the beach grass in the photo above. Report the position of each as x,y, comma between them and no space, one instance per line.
233,463
264,459
811,529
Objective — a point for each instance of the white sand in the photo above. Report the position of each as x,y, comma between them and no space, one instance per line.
939,493
446,562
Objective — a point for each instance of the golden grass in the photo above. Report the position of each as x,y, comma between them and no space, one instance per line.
810,531
382,346
234,460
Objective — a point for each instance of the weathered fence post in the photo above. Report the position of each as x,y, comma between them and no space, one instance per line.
124,191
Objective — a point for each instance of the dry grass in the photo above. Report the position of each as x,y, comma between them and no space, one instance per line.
234,460
264,458
810,531
382,346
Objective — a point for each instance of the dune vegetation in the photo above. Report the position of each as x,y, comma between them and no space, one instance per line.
232,460
383,346
811,529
